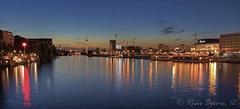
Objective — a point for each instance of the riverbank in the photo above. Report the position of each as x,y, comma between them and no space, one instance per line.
197,60
7,61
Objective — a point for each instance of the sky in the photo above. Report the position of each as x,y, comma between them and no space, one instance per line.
152,22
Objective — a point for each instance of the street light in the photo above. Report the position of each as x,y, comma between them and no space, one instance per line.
24,45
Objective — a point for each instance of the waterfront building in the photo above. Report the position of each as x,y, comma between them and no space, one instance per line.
112,45
18,41
36,43
40,41
7,37
206,46
230,43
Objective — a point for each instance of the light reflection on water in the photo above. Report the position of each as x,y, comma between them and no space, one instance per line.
98,82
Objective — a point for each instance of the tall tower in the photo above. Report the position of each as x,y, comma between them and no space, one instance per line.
86,44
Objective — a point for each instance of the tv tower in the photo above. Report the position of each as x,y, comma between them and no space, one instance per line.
86,42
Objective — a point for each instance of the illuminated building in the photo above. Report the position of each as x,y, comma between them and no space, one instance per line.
230,43
7,37
206,46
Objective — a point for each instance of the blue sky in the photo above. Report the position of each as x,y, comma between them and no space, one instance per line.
170,22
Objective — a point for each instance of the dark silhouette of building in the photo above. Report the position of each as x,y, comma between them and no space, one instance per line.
112,45
18,41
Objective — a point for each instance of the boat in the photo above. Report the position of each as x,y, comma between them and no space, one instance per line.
190,58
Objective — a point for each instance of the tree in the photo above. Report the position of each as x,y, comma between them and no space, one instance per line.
221,53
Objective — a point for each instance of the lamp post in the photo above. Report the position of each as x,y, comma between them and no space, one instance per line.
24,45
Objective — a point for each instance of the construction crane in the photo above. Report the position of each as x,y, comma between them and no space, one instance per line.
195,37
134,41
125,42
116,34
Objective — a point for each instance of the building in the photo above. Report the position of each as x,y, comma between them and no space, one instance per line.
7,37
163,47
40,41
230,43
206,46
18,41
42,46
112,45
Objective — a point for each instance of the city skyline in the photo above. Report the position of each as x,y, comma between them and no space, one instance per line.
152,22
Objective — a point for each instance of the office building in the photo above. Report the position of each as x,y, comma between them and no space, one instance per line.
230,43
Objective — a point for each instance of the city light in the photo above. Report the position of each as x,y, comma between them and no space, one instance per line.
24,44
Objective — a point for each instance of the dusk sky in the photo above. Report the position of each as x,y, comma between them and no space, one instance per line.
153,22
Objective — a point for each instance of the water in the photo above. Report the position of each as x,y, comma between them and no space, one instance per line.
100,83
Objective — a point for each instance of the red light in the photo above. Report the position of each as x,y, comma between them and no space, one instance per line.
24,44
26,90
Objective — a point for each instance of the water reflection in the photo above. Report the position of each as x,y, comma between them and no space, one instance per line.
212,78
26,87
150,75
81,80
194,75
21,77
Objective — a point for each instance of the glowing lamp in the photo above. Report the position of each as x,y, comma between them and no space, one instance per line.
24,44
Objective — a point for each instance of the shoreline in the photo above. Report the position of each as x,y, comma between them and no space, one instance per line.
187,61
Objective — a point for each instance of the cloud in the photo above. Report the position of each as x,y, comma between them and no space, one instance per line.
170,29
178,39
